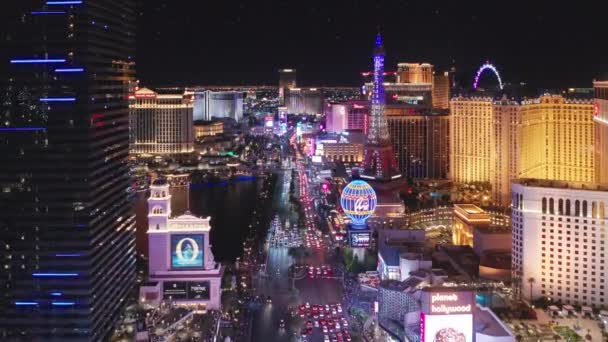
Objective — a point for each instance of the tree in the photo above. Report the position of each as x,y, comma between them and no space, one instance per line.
531,281
516,282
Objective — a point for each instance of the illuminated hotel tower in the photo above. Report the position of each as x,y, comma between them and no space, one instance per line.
67,225
379,159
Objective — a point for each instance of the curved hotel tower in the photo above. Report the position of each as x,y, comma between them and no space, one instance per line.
66,220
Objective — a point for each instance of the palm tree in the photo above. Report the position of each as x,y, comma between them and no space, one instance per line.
515,282
531,281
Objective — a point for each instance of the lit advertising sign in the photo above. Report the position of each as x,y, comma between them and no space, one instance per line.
184,290
187,250
175,290
448,303
269,121
198,290
360,239
446,328
447,316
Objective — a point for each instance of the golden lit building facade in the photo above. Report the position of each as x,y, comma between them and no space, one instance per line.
208,129
497,141
160,124
414,73
472,140
467,218
441,90
343,152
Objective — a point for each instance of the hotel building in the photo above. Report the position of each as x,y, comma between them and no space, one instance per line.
497,141
600,112
304,101
218,104
161,124
559,241
421,143
346,116
287,80
204,129
67,223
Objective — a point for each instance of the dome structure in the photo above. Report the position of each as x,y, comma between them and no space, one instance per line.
358,201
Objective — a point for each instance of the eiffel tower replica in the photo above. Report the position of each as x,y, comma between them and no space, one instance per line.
379,163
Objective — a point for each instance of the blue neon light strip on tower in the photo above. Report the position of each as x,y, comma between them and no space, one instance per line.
37,61
58,99
64,303
56,294
75,2
68,255
55,274
70,70
47,12
17,129
26,303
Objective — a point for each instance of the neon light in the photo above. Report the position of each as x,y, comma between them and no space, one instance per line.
17,129
58,99
26,303
64,303
35,61
74,2
56,294
55,274
67,255
70,70
487,66
47,12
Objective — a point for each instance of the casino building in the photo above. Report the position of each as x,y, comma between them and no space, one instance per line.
181,268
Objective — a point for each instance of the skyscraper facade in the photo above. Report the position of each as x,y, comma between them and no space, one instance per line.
346,116
414,73
494,142
161,123
600,118
379,160
218,104
304,101
559,234
287,80
441,90
421,144
67,226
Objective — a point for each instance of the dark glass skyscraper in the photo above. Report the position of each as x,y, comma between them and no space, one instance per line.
66,225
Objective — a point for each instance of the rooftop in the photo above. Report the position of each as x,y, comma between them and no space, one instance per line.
470,208
544,183
394,285
488,324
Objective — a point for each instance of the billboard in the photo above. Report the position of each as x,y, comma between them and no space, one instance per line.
175,290
187,250
446,328
186,290
360,239
447,315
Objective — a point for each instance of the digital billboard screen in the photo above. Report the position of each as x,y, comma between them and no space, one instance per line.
187,250
446,328
184,290
175,290
198,290
360,239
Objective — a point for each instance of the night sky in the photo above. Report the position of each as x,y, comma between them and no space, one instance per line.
226,42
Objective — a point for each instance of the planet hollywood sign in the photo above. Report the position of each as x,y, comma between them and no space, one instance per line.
442,303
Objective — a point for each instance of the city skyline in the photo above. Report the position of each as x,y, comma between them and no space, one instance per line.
541,44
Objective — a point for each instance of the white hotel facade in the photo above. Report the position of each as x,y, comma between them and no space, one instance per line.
559,241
